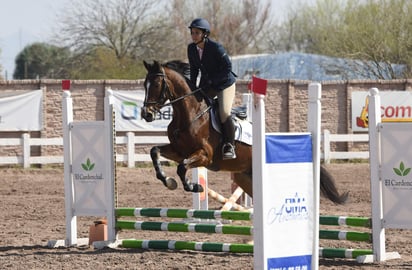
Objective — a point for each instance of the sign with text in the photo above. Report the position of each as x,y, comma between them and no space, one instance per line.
396,106
90,168
127,106
396,175
288,211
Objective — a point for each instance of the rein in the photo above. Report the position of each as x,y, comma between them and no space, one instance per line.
165,88
180,98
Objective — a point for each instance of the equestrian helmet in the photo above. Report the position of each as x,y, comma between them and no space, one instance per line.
200,23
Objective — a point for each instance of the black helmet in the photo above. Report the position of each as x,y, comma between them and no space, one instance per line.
200,23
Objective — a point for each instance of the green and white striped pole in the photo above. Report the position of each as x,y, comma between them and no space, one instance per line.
184,227
183,213
187,245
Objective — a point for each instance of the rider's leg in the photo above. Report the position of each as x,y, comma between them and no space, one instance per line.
228,149
226,98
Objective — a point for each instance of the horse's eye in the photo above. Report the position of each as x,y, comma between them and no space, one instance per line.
158,82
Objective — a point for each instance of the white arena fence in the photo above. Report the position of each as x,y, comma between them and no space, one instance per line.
131,140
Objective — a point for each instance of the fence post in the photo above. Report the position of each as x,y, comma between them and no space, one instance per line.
71,219
130,149
26,149
314,123
378,233
326,146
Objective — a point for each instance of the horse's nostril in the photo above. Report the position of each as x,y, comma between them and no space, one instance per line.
147,116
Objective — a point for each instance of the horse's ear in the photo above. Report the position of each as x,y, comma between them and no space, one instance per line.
146,65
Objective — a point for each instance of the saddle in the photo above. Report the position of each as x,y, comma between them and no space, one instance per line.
243,127
240,112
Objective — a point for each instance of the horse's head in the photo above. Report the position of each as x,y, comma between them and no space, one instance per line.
157,92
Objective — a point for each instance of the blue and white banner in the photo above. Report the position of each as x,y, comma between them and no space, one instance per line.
128,104
289,209
21,110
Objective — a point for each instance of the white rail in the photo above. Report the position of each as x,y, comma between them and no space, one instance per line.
131,141
328,139
26,159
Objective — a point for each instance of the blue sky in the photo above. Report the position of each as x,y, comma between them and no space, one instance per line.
23,22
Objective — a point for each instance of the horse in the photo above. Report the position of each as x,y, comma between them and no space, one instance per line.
194,141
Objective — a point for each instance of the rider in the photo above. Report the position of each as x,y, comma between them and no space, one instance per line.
216,77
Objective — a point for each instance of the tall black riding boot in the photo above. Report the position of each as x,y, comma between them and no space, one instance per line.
228,149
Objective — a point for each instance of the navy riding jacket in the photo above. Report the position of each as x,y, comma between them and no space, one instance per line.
215,66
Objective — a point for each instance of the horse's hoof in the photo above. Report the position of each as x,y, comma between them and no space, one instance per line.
171,183
195,188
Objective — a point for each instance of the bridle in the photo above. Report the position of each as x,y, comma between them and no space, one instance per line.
165,93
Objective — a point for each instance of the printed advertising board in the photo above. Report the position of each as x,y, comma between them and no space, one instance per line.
90,171
289,217
395,106
127,106
396,175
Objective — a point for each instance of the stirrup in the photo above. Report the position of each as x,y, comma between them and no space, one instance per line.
228,151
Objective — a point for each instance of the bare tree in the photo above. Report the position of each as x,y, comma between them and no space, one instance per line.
149,29
238,25
123,26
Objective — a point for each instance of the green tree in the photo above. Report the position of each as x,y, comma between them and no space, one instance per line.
41,60
102,63
375,32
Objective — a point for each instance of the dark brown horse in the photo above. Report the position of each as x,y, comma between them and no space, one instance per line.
194,142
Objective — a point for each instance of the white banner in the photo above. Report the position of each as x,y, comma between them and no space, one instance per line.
396,107
396,173
21,111
90,168
128,104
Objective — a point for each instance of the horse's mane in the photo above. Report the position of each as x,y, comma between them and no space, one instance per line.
180,67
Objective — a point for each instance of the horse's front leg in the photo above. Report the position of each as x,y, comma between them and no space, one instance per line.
197,159
169,182
187,184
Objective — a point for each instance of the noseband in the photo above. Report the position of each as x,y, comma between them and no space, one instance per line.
163,94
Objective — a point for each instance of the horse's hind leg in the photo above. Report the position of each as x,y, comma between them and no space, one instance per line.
244,181
187,185
169,182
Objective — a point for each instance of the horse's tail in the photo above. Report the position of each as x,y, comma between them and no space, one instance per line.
328,187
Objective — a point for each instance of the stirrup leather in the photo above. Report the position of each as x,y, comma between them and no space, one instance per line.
228,151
